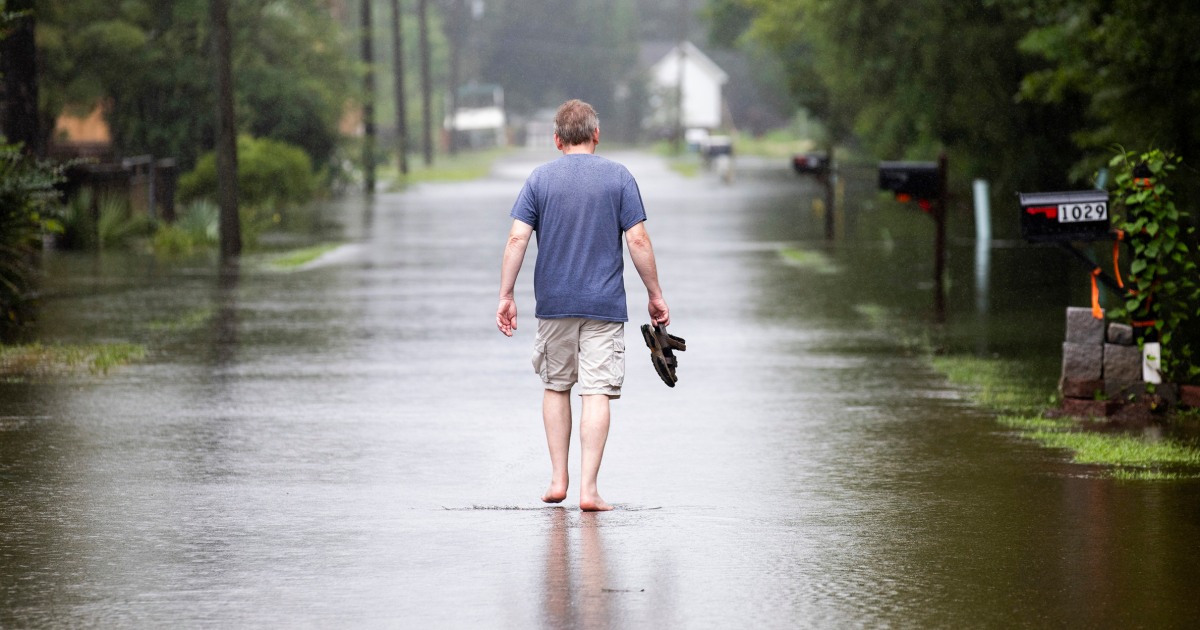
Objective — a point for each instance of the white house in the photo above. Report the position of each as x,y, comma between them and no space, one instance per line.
702,79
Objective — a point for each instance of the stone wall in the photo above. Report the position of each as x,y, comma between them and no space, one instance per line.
1102,365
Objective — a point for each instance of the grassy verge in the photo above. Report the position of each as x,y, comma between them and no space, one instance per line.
809,259
298,257
37,360
1004,388
189,321
467,165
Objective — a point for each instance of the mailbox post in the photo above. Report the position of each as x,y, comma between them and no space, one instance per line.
925,183
819,165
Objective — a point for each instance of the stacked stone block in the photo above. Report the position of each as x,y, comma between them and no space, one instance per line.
1102,365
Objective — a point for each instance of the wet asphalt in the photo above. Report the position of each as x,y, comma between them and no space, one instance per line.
353,444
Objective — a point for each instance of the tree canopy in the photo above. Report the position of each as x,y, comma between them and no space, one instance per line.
1034,92
148,63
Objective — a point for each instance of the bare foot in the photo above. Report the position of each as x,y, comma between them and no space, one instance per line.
555,494
595,504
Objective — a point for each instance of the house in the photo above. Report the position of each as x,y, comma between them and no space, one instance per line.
703,82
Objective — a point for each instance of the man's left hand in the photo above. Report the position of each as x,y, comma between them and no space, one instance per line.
506,316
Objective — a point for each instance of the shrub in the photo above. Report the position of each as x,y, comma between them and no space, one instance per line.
26,189
1163,293
269,172
196,227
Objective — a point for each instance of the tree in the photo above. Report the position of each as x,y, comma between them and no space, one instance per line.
426,82
149,65
19,121
907,78
368,59
230,223
1135,71
398,87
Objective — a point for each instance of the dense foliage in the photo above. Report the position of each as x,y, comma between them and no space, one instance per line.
269,172
26,187
1024,92
1164,294
149,64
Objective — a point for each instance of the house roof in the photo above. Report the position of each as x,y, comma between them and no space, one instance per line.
654,53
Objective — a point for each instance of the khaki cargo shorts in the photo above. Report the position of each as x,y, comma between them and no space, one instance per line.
585,351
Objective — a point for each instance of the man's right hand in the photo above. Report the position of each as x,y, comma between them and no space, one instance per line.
659,313
506,316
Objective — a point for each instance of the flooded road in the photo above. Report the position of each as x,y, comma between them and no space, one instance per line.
353,444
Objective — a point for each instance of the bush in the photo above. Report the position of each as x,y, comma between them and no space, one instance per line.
195,228
269,172
26,188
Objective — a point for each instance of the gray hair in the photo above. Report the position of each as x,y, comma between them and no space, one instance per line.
575,122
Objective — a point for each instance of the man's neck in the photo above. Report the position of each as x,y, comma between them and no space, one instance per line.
585,148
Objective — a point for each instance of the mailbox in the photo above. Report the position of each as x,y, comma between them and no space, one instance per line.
810,163
916,180
1064,216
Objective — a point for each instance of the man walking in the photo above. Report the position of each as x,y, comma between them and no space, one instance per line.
580,204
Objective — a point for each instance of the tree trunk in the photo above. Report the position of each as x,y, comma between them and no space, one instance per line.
398,71
19,88
455,24
368,57
426,83
227,185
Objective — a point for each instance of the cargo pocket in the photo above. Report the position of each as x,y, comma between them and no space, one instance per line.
616,363
539,359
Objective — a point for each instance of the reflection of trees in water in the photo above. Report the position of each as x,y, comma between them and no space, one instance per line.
225,322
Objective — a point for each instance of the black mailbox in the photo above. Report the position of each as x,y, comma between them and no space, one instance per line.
916,180
1064,216
810,163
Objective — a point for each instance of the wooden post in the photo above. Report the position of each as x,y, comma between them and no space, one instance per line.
826,179
398,72
426,82
368,57
939,243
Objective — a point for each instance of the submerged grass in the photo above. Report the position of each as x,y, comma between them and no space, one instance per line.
465,166
811,260
298,257
38,360
1003,387
192,320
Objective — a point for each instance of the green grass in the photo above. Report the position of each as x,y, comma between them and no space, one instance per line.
25,361
469,164
1005,387
1119,449
685,165
1002,386
296,258
811,260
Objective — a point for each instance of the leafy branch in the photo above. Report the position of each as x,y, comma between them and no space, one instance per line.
1163,294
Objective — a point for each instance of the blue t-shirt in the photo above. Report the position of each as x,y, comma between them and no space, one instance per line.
580,206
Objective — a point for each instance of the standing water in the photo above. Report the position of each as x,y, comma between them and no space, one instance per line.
351,443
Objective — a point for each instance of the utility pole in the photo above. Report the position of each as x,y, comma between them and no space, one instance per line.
426,83
398,71
680,123
368,57
456,32
229,224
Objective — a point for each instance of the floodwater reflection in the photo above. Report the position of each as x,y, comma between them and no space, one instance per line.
576,592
